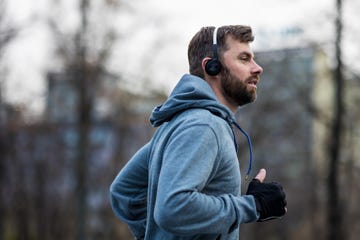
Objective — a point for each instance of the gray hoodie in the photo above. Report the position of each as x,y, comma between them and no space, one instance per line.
185,182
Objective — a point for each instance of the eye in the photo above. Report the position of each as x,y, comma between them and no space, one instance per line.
245,58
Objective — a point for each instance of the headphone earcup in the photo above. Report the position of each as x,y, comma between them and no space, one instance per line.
213,67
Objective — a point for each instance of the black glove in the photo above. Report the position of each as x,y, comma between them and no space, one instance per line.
269,198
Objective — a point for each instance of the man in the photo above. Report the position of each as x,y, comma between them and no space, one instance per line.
185,182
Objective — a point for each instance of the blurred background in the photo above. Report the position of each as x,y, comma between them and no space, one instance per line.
79,78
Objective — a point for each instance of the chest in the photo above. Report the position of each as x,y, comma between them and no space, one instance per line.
226,178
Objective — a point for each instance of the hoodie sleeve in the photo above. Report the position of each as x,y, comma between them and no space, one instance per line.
129,190
181,207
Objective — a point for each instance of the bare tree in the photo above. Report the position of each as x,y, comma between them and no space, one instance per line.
8,32
84,64
335,209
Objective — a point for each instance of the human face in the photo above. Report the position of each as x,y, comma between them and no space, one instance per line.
240,74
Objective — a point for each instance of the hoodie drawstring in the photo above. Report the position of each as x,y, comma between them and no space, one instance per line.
249,144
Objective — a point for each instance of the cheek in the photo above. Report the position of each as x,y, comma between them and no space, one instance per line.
237,68
239,71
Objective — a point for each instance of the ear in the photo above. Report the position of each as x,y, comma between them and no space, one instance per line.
203,63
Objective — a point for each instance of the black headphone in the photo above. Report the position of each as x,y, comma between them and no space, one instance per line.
213,66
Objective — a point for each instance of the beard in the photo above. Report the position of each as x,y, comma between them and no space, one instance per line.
235,89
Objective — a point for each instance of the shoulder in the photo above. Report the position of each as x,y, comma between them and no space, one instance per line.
193,120
199,116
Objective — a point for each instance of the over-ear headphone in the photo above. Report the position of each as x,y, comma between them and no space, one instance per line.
213,66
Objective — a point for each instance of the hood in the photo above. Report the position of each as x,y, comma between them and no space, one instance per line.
190,92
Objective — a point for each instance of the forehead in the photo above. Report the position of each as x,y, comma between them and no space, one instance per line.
235,47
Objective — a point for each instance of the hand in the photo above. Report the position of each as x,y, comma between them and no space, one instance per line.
270,198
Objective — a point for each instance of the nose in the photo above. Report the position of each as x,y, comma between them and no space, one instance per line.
256,69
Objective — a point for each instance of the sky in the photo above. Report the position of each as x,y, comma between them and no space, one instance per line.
30,55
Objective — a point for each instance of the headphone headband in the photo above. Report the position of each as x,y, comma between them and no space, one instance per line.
213,66
215,36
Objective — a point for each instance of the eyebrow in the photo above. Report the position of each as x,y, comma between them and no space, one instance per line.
247,53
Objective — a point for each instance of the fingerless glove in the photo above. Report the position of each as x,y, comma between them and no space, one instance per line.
270,199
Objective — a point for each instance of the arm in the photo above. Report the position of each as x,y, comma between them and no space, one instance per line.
128,192
181,207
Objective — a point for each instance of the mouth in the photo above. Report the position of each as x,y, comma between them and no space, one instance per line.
253,83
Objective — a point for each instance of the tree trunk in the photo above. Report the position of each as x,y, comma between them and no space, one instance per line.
335,208
84,108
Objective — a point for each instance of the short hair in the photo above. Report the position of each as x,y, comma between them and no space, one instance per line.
201,45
